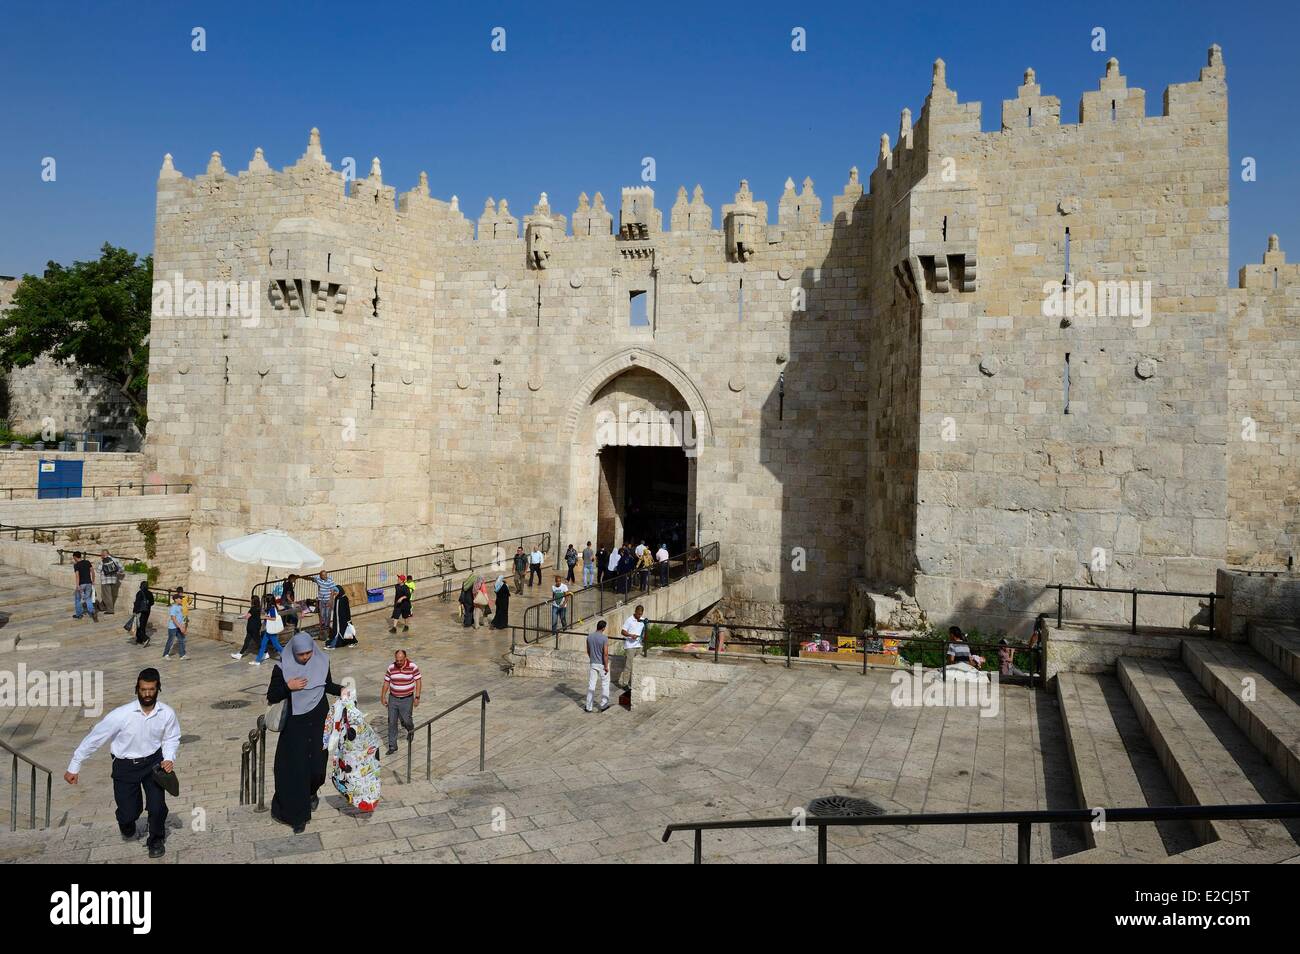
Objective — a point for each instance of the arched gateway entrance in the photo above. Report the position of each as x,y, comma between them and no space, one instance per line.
639,427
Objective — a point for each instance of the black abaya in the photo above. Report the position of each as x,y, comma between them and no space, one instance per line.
300,756
501,618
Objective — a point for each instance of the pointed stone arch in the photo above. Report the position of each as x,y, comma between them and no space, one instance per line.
637,357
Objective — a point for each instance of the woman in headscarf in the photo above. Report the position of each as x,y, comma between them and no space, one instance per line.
482,603
339,623
303,678
501,618
467,601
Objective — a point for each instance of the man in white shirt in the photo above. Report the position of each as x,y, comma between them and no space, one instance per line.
661,558
141,735
535,566
633,628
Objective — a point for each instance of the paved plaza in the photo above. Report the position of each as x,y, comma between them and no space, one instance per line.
561,785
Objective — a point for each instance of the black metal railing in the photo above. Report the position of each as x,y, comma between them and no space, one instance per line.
94,491
90,550
382,574
17,757
1134,593
1023,820
427,726
252,766
618,590
222,604
789,642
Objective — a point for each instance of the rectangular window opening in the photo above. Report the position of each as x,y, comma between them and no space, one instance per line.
639,317
1067,382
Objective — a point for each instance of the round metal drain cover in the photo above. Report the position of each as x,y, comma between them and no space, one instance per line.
843,805
230,704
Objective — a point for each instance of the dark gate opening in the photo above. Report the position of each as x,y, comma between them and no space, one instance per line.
643,496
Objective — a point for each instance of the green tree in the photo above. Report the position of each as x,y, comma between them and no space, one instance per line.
95,314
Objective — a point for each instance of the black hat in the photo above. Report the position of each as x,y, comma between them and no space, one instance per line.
168,780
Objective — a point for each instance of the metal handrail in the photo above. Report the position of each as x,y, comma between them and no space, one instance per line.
68,493
120,558
792,638
13,784
252,767
86,525
1134,593
542,538
691,562
222,604
1023,820
427,726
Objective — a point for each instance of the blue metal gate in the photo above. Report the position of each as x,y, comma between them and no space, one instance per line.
59,479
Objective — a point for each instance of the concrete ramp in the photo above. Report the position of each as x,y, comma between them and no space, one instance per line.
537,653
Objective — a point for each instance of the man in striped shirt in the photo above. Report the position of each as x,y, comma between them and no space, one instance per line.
400,693
325,590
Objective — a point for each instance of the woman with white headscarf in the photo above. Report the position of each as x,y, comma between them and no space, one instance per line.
303,678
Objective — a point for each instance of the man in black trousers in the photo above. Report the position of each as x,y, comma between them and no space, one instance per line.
142,735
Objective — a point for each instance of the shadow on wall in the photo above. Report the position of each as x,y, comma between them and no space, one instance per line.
813,431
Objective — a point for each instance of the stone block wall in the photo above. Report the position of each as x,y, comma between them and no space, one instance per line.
1264,414
21,470
437,320
1126,484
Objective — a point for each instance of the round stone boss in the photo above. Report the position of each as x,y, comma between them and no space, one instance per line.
462,380
1146,368
698,275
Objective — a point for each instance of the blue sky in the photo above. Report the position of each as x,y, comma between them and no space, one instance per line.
581,94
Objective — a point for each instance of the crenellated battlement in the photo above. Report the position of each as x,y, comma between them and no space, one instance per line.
1113,106
944,124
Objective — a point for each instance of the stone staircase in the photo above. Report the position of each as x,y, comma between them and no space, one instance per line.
35,613
1219,725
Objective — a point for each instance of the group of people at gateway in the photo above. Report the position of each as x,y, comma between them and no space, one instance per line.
318,739
629,565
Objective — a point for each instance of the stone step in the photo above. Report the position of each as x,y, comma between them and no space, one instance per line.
48,605
1116,767
1260,698
19,583
29,596
1207,759
1280,645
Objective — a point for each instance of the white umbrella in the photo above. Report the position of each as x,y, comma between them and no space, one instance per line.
271,548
